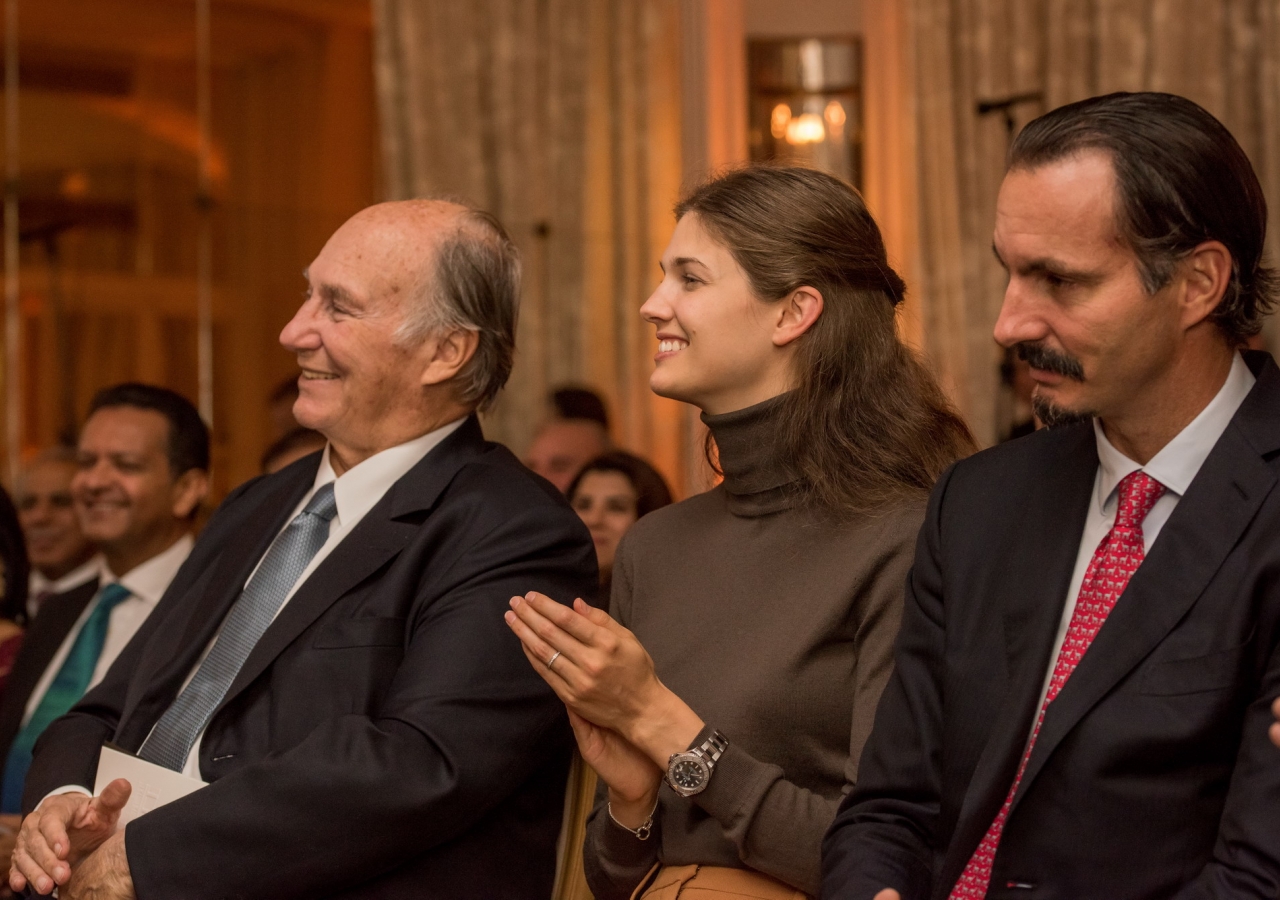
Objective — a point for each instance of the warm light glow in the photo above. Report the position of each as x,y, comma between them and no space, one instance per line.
834,114
778,121
807,129
75,184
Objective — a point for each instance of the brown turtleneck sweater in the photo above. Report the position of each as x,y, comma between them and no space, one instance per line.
777,628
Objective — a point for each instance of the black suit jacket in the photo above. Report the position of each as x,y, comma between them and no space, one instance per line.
1152,775
386,737
57,616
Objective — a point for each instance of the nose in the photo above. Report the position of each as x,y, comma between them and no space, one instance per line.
91,478
657,309
300,334
590,515
1020,319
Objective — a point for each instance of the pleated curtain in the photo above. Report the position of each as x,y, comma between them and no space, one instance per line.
562,117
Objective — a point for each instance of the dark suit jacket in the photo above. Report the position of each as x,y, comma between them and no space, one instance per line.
386,737
1152,775
43,637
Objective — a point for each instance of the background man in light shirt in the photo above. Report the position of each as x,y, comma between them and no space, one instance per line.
1091,638
61,556
141,473
332,659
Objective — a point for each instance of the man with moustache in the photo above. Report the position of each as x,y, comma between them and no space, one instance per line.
332,660
140,475
1091,638
62,558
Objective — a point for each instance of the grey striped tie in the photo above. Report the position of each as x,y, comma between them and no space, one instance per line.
170,741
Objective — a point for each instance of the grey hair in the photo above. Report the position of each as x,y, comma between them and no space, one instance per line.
473,286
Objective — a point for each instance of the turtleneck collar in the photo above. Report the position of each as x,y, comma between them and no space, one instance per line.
757,482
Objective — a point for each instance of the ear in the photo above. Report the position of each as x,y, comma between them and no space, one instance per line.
448,352
1206,272
189,492
796,315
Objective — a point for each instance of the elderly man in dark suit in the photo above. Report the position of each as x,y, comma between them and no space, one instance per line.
1091,638
332,658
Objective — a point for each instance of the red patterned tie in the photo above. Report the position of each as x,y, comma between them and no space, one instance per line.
1113,564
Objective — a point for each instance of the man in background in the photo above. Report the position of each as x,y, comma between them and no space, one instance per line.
142,472
62,558
577,433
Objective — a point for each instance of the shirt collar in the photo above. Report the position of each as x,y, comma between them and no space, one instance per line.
149,580
1177,463
91,568
363,485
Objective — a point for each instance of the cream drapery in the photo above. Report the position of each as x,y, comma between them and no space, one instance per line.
1224,54
562,117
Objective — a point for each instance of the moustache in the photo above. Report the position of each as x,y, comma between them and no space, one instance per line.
1038,356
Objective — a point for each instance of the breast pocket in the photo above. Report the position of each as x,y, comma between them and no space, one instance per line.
364,631
1195,675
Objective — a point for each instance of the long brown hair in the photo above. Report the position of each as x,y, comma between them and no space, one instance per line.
867,424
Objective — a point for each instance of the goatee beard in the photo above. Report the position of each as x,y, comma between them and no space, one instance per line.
1051,415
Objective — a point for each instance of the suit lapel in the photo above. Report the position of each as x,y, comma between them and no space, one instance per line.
244,549
1206,524
1038,569
53,622
378,538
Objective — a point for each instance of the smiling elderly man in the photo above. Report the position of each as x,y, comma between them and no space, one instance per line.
332,660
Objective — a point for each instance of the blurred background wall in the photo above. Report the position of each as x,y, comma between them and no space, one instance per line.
578,122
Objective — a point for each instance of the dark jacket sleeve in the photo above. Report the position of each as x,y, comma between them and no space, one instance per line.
1245,853
67,752
884,833
465,722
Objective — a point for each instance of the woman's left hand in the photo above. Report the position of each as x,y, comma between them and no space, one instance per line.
602,673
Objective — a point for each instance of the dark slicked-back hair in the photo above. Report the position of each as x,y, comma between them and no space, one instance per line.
188,435
1181,179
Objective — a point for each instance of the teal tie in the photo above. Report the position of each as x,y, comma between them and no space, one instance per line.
67,687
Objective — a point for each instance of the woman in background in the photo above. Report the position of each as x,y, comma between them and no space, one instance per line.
726,703
610,494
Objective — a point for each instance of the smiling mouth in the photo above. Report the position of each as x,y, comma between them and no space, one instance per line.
671,345
309,375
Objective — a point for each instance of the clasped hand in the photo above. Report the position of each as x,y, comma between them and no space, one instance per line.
602,672
626,722
74,834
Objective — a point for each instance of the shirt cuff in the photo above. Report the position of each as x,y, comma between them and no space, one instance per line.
65,789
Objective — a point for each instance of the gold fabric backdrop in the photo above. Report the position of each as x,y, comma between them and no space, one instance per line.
563,119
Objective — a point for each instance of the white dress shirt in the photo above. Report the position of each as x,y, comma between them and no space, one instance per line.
147,583
38,584
356,492
1175,466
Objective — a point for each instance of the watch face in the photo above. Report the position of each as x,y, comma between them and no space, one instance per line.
689,774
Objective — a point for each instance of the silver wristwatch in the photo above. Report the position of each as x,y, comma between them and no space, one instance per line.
689,772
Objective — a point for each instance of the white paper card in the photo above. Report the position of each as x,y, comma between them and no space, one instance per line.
153,786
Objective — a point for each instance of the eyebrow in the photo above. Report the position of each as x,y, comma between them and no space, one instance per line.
1045,266
682,261
332,292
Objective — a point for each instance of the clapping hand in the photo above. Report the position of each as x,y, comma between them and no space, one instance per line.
61,832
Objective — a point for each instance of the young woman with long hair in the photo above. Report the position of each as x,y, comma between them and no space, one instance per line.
725,703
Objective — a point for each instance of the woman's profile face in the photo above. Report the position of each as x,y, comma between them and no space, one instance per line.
606,503
715,338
